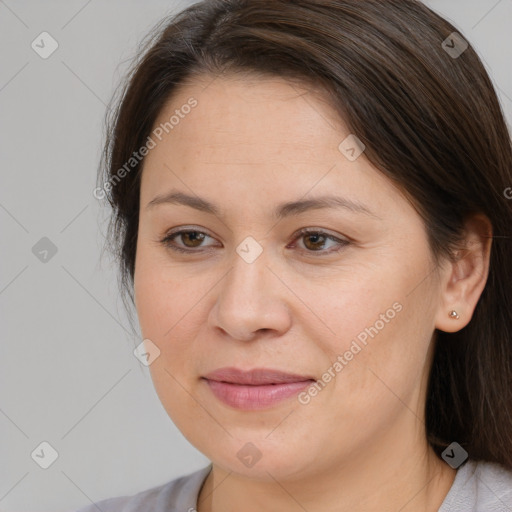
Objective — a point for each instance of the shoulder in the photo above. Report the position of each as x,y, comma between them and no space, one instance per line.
478,487
178,494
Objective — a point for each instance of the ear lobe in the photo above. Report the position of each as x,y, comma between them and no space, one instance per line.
464,279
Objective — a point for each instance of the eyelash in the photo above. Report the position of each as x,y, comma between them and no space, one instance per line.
167,241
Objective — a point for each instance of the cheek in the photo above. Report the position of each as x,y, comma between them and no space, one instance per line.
388,370
165,308
171,311
348,307
379,322
161,294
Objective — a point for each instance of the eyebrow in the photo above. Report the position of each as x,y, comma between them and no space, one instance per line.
283,210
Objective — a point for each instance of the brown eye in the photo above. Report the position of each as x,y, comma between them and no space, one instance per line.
192,238
314,242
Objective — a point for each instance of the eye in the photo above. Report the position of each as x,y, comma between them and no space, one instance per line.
316,239
193,239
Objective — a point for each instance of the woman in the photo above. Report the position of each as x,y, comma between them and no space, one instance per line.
310,213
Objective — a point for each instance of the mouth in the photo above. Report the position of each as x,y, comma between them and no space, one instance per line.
260,388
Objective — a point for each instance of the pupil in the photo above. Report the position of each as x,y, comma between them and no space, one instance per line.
193,236
317,237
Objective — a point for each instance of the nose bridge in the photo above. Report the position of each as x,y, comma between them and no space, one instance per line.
249,274
250,298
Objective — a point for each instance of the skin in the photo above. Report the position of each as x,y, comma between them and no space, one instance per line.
359,445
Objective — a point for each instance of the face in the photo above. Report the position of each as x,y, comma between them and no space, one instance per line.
350,303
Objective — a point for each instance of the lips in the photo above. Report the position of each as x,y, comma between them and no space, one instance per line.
255,377
257,389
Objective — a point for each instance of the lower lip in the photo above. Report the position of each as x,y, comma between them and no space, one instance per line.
255,397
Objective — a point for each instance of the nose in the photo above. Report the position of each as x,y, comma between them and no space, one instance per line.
251,300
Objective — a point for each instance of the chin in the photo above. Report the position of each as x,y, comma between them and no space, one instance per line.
261,460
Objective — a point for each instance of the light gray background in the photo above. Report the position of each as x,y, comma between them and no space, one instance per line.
68,373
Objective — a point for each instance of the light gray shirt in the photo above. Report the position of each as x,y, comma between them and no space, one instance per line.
478,487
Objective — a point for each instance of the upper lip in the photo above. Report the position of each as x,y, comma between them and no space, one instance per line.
255,377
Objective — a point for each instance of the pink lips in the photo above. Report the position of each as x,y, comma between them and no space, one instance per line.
260,388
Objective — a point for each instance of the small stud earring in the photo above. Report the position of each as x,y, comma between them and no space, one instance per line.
453,314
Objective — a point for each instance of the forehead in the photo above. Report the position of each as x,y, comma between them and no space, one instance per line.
268,135
238,122
240,106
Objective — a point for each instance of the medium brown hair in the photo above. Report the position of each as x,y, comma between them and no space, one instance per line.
430,121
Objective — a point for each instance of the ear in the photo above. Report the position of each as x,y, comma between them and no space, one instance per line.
463,281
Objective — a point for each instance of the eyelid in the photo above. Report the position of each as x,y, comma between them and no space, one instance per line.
169,236
341,240
176,232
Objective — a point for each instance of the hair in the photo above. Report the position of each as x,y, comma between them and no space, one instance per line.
430,121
